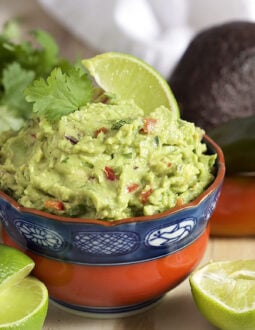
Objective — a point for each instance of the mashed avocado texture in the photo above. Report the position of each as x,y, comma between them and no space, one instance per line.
106,162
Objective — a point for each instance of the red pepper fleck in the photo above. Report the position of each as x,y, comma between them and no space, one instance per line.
109,173
100,130
132,187
179,201
169,164
145,195
56,205
148,125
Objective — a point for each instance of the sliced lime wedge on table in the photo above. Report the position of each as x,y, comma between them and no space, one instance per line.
23,298
27,305
224,293
14,266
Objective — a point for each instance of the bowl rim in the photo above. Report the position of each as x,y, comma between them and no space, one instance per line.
112,223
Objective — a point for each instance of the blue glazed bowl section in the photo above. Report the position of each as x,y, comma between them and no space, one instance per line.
96,244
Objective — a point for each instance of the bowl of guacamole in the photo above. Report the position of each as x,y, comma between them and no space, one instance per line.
111,202
106,161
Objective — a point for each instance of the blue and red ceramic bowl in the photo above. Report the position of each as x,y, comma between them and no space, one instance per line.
98,267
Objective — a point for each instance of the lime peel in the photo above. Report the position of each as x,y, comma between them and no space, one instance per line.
14,266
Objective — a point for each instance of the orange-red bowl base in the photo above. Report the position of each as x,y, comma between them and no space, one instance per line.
115,285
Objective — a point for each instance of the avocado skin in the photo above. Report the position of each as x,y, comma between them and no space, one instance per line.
214,81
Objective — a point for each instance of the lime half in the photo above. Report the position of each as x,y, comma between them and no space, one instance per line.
224,293
131,78
14,266
24,305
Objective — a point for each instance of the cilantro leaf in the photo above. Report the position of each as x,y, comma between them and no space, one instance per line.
11,30
21,62
47,57
61,94
15,81
118,124
40,59
9,120
48,44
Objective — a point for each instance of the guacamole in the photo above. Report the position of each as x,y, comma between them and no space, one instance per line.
105,161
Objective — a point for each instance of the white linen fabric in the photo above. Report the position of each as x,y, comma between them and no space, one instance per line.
158,31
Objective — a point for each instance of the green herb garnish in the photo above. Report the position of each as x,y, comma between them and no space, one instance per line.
118,124
61,94
21,62
156,140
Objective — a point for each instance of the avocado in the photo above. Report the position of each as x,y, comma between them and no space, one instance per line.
214,80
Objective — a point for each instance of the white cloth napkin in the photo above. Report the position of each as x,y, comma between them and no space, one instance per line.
157,31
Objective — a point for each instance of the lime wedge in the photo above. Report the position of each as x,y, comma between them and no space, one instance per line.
24,305
14,266
224,292
131,78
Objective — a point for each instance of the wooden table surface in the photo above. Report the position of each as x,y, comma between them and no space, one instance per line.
176,310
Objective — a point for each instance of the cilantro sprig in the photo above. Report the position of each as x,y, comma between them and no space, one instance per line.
61,93
21,62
